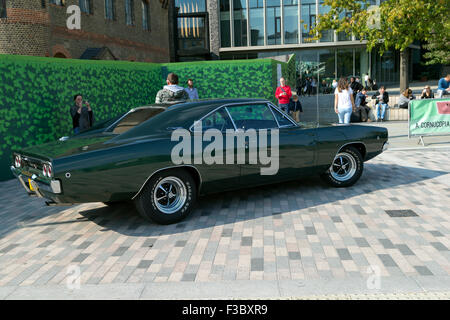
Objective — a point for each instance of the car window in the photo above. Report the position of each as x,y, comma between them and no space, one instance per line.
217,120
282,119
134,118
254,116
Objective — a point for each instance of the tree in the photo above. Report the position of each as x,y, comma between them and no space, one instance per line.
395,24
439,46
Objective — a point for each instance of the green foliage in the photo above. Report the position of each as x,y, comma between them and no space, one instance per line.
394,24
439,46
226,79
36,93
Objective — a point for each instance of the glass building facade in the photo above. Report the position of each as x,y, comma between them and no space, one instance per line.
268,28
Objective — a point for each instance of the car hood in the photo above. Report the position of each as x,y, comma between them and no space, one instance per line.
71,146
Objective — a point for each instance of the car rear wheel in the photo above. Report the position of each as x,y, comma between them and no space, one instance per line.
168,197
346,168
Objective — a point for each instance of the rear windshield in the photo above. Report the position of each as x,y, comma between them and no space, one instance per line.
134,118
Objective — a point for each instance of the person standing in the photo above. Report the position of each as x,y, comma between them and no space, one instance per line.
172,92
191,91
295,107
314,86
334,84
381,102
366,80
355,86
443,87
82,116
308,87
344,103
283,94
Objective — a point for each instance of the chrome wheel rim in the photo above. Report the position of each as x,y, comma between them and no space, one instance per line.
343,167
170,195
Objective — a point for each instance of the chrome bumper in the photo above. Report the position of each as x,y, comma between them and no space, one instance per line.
54,187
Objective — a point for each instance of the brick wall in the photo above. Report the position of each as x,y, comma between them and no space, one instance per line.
31,30
25,30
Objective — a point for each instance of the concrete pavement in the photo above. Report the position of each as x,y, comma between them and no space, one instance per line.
387,236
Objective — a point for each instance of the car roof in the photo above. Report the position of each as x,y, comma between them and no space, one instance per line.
180,105
181,114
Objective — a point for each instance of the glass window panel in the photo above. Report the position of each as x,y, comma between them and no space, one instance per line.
291,21
145,22
109,9
281,118
256,116
256,23
308,19
240,22
2,8
273,18
191,33
191,5
345,63
225,35
129,12
327,35
218,120
342,36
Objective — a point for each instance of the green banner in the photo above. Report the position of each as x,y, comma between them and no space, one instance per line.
429,116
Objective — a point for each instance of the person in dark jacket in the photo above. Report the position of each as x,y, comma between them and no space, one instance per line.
295,107
355,86
381,102
82,116
427,93
362,109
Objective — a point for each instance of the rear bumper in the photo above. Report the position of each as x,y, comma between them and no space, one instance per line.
34,187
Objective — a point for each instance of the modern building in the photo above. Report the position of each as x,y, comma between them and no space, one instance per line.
134,30
246,29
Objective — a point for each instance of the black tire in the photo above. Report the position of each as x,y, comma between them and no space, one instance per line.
346,168
162,211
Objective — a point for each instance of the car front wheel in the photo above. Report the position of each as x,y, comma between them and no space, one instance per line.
346,168
168,197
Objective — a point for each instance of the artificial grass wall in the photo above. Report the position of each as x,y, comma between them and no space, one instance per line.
36,93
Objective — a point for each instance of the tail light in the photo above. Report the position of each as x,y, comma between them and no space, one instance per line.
47,170
18,161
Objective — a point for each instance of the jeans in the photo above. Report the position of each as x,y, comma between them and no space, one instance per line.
284,107
344,115
76,130
441,93
383,110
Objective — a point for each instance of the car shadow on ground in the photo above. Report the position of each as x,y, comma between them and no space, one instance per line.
246,204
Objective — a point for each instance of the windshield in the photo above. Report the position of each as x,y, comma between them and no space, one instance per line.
134,118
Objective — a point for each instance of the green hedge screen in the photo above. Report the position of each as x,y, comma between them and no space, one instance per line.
36,92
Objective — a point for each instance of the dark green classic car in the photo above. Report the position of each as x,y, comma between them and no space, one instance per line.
144,155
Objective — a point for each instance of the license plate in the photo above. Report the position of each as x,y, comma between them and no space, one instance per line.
31,186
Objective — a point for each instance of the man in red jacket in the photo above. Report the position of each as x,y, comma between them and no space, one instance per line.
283,94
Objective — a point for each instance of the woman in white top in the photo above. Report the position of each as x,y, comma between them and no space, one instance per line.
344,104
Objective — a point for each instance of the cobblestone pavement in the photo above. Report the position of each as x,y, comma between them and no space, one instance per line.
395,220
